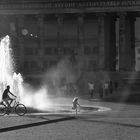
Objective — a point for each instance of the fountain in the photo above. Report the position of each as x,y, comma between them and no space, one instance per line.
37,99
7,74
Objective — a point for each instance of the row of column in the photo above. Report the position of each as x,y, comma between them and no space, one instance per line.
126,42
106,40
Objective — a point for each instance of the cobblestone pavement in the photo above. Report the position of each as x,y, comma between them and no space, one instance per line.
122,122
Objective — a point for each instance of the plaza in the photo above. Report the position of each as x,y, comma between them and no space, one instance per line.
122,122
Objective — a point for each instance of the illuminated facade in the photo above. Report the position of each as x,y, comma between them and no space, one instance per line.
46,31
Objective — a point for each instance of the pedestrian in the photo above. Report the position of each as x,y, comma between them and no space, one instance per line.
116,84
106,88
91,89
110,87
101,90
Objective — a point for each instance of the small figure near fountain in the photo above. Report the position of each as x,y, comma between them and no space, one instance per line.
76,105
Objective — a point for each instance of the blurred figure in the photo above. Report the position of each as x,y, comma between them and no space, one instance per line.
106,88
91,89
110,87
101,90
116,84
75,103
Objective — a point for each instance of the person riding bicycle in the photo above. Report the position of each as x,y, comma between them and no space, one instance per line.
6,98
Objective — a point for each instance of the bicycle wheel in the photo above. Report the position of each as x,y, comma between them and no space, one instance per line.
20,109
3,109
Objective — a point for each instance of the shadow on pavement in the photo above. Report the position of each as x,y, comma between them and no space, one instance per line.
113,123
38,117
34,124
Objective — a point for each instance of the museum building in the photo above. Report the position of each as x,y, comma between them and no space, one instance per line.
99,33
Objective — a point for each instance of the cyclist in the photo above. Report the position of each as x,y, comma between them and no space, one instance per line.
6,98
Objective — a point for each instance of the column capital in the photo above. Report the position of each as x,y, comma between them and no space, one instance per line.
60,18
122,13
40,16
101,14
59,15
105,15
126,15
80,15
80,18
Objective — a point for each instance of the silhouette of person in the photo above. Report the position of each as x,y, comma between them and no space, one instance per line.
106,88
91,88
6,98
75,103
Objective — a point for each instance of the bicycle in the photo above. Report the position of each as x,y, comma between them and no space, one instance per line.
18,108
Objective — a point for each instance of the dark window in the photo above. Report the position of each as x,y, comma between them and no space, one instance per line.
26,66
36,51
92,65
138,50
56,51
52,63
68,51
87,50
45,64
28,51
48,51
33,64
94,50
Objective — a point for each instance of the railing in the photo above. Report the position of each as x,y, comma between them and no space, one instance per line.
50,4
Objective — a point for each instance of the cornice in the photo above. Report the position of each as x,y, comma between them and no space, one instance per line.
66,6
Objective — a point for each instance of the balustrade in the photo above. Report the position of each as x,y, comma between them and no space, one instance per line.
72,3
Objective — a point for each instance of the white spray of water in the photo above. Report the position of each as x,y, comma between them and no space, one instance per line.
39,99
29,97
6,66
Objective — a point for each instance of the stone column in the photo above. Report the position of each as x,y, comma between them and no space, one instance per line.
20,20
60,37
126,42
101,41
110,43
40,24
132,38
106,42
81,43
81,34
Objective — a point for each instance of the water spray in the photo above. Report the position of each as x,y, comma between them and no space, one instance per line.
8,76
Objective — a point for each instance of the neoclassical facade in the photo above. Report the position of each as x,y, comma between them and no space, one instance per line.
44,32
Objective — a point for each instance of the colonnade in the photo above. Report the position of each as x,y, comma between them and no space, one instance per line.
107,50
107,42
